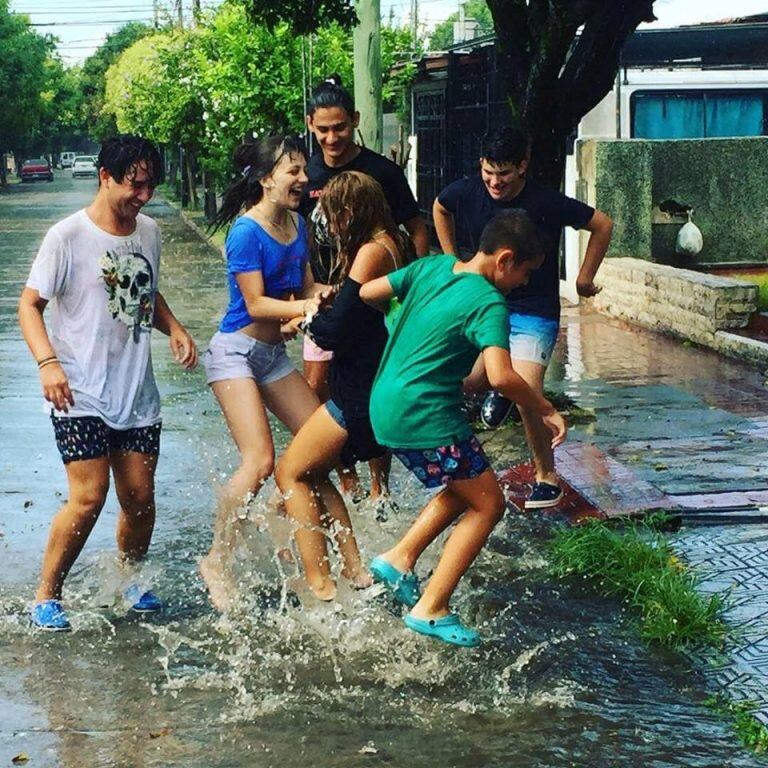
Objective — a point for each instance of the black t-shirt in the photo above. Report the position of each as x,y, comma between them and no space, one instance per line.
392,179
472,208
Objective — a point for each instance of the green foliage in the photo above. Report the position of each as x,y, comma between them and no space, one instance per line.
750,731
637,564
93,117
209,87
25,77
442,36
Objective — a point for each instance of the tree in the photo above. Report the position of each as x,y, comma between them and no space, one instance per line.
442,36
560,58
23,79
98,123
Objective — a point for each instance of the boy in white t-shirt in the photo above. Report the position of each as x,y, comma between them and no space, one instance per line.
99,270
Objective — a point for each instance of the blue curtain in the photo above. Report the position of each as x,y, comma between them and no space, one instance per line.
734,116
668,116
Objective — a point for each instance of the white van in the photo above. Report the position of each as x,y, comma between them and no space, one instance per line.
66,159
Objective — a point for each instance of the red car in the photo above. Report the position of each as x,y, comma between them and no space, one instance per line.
39,168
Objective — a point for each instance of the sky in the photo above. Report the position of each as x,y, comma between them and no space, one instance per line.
82,25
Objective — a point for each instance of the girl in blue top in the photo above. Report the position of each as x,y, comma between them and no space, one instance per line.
246,364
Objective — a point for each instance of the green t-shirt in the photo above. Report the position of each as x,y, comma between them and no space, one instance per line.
444,320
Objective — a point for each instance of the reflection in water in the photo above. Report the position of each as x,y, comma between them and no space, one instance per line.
285,681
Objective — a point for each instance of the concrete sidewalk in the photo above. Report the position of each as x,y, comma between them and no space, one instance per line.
676,428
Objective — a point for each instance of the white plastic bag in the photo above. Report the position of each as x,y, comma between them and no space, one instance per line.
689,239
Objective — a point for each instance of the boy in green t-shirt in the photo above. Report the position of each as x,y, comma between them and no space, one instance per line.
448,310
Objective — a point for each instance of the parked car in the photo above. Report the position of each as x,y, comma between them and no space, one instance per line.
84,165
66,159
39,168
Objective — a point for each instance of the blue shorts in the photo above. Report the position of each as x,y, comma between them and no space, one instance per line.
532,338
438,466
88,437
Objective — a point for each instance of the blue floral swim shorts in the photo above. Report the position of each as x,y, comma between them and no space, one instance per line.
438,466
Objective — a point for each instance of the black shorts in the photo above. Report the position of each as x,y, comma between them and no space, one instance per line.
88,437
361,443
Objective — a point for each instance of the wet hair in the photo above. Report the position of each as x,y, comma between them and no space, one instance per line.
362,197
329,94
253,159
513,229
121,154
505,145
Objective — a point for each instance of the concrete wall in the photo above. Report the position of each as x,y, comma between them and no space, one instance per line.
725,180
690,305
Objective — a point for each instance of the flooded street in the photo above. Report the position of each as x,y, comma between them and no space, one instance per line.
562,679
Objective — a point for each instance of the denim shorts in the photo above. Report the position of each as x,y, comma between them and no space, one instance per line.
532,338
436,467
238,356
88,437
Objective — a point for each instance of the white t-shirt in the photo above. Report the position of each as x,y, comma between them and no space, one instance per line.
102,292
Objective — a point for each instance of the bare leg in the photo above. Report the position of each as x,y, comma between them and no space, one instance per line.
538,436
437,515
135,486
88,485
380,468
311,500
243,409
316,374
484,505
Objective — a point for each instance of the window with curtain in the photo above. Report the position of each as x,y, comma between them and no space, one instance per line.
701,114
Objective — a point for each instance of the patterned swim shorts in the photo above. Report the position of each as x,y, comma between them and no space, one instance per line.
89,437
438,466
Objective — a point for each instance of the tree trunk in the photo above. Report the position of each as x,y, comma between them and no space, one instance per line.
3,170
189,158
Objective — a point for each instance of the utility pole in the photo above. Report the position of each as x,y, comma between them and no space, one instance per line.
367,55
180,10
415,24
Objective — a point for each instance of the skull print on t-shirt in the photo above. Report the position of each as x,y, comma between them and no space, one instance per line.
128,279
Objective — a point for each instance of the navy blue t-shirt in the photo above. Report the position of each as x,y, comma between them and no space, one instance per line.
472,208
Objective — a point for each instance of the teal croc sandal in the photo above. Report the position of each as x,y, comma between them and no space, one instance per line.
449,629
404,586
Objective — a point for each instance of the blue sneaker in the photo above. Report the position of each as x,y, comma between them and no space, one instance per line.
142,602
495,410
49,615
543,496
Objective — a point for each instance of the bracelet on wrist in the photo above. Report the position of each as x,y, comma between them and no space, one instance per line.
47,361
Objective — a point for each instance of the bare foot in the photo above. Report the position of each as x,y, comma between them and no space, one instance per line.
221,586
326,592
360,580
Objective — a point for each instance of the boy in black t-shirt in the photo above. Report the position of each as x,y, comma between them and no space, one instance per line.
460,212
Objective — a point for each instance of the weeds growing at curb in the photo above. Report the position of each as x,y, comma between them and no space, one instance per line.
750,732
636,563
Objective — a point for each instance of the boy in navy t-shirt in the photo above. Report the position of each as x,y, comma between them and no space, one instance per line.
460,212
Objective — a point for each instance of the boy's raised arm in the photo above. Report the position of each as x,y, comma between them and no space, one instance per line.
503,378
377,292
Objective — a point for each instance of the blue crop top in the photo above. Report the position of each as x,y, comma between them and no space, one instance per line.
250,248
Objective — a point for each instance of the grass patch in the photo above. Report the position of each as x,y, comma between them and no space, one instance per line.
750,731
636,563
